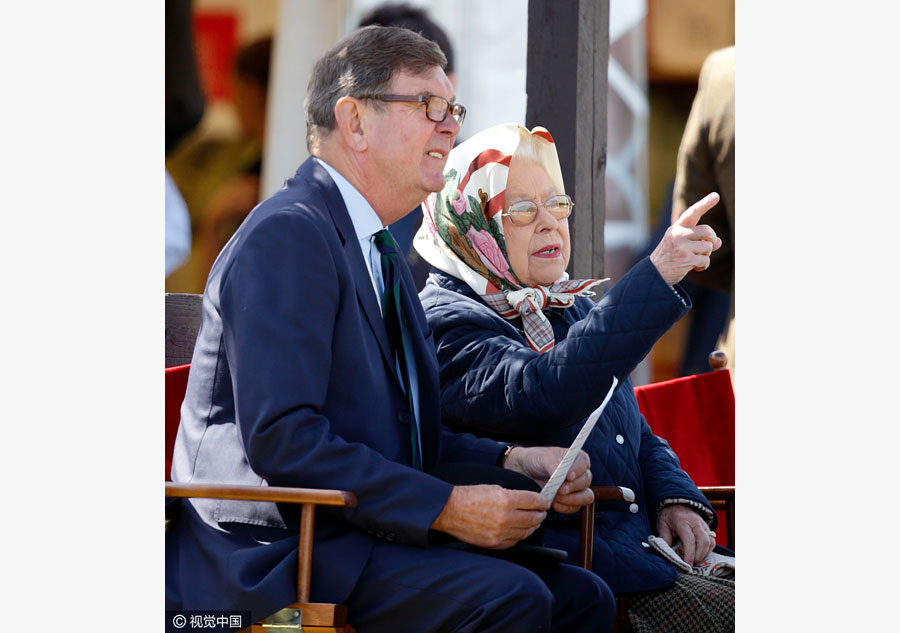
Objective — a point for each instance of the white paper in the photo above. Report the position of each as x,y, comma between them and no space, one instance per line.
559,475
715,565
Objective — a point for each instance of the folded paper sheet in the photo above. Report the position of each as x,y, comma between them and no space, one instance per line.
559,475
715,565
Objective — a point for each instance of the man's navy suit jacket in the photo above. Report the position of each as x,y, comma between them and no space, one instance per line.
293,383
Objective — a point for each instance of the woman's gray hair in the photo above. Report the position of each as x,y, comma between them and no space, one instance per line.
363,63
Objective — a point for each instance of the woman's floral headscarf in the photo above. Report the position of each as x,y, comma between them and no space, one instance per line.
462,231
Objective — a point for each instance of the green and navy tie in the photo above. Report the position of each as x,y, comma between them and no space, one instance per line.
398,333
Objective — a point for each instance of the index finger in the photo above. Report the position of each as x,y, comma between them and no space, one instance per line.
694,212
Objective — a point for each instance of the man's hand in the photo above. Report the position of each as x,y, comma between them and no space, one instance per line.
679,521
686,246
539,463
490,516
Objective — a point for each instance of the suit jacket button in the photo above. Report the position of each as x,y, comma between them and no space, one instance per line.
379,534
404,417
392,537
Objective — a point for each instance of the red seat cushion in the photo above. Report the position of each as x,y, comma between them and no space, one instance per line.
176,384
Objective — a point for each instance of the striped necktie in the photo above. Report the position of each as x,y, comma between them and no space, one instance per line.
398,333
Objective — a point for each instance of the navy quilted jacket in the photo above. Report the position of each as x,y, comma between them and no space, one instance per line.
493,384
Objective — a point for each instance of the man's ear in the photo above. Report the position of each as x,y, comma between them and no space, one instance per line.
350,119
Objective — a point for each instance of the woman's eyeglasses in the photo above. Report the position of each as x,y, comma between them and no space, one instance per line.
436,108
524,212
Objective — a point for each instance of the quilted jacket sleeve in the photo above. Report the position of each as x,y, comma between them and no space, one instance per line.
492,381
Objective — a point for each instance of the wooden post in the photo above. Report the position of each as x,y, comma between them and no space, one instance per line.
566,82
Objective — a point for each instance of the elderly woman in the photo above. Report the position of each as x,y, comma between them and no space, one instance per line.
524,357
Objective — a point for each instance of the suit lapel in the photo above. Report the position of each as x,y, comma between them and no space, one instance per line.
365,292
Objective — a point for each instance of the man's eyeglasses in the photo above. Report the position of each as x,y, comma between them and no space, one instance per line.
436,108
524,212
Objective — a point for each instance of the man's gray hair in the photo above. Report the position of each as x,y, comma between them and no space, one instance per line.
363,63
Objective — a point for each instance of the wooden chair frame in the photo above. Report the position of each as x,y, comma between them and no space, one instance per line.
317,617
183,312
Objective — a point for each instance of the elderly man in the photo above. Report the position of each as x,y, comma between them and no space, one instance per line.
314,368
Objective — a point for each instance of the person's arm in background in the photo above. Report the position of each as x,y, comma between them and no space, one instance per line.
178,227
706,162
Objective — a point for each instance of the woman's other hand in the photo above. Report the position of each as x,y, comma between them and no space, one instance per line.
680,522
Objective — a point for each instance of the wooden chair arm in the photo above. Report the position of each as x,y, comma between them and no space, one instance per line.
275,494
601,493
586,546
718,493
722,498
309,498
613,493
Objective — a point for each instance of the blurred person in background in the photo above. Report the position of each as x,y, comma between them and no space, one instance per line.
178,228
237,197
219,176
406,16
184,109
706,163
184,97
